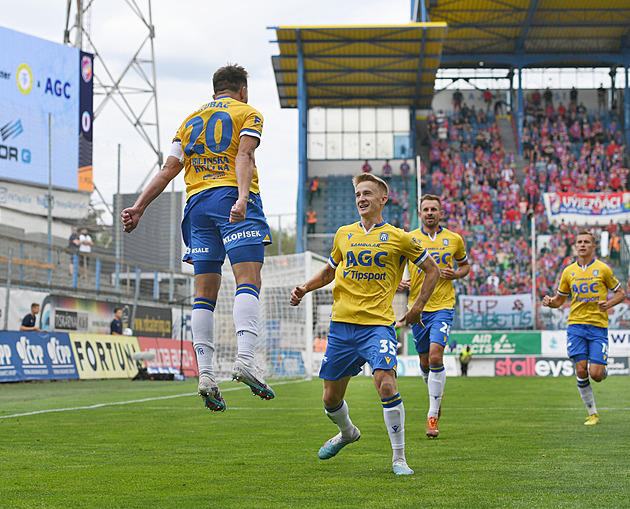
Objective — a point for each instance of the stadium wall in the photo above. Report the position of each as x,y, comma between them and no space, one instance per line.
515,353
73,356
352,167
443,100
34,226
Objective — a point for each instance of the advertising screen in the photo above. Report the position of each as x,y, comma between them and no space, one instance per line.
46,94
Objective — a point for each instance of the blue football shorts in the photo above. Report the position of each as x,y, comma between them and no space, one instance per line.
351,345
437,329
209,235
587,342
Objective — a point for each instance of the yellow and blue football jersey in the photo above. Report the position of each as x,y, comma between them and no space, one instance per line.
369,266
210,138
587,286
445,248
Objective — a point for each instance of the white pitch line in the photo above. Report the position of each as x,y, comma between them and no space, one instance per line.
100,405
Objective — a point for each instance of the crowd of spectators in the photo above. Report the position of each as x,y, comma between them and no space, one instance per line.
571,150
490,202
567,149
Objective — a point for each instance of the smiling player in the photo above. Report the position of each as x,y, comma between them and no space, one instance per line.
366,263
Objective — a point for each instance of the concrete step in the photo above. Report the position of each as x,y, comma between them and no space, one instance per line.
507,133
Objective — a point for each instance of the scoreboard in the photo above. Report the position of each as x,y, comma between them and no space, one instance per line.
42,80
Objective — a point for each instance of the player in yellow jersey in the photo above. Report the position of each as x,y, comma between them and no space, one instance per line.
446,247
366,263
588,281
216,145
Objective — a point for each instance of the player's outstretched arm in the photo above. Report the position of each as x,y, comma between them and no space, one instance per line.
619,296
431,277
131,216
244,165
554,302
319,280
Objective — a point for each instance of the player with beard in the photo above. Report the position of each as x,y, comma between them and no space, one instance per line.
445,247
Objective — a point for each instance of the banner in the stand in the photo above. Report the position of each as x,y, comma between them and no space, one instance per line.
496,312
589,208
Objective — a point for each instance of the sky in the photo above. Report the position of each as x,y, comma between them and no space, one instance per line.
193,39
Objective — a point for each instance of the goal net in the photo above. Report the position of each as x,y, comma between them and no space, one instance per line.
284,348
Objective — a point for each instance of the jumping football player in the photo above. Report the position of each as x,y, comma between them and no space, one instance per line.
223,214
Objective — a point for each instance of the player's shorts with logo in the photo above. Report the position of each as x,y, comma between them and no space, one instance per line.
208,233
437,329
351,345
587,342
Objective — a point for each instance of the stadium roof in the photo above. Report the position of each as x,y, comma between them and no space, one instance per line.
536,33
358,66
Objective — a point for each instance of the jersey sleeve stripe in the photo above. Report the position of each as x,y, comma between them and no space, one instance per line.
250,132
177,151
332,263
463,259
562,293
421,258
615,288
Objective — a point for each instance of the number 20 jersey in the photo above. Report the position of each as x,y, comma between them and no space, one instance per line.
369,267
210,137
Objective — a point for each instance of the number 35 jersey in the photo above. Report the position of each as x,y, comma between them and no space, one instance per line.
369,266
210,137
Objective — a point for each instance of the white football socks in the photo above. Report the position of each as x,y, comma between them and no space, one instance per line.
202,324
436,383
340,416
245,315
586,393
394,416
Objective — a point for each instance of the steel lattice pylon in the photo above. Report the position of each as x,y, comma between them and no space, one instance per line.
134,90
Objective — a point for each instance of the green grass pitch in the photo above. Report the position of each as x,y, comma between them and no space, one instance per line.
504,442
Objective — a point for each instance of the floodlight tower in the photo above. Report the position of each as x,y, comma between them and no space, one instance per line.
133,91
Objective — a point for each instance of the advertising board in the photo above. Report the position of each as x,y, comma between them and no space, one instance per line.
46,94
36,356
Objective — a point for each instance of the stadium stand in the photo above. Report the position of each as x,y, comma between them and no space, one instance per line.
490,206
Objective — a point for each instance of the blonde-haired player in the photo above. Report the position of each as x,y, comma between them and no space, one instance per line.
366,263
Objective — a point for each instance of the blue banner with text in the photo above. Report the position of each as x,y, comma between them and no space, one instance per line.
36,356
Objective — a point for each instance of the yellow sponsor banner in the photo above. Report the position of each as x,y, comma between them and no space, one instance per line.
103,356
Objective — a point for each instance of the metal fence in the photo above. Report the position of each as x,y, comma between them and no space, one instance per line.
33,265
